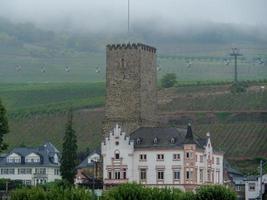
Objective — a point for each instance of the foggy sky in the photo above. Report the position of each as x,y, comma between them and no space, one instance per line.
111,15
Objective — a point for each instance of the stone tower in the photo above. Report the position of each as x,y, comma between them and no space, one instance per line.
131,96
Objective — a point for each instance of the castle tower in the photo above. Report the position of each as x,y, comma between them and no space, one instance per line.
131,96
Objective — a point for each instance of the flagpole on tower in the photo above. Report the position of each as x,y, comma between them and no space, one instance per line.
128,17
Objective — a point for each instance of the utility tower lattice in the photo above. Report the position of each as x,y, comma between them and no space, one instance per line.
235,53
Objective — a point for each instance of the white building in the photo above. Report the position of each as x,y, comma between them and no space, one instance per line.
160,157
31,165
252,187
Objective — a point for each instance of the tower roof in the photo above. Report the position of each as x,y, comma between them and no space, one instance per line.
189,137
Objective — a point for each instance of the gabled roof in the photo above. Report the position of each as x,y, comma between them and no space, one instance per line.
45,152
162,137
85,164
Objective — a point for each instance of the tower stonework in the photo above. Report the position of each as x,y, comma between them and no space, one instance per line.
131,96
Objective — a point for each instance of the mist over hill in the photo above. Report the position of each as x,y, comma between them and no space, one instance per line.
20,34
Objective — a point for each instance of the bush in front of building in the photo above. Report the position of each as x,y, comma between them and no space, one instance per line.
218,192
138,192
7,184
56,193
135,191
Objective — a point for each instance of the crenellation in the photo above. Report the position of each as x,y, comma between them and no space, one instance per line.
131,46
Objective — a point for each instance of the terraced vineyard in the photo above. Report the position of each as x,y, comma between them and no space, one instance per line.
242,140
237,123
211,100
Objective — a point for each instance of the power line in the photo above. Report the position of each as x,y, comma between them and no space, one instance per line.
235,53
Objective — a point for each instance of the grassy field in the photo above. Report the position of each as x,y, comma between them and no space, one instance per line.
83,68
47,98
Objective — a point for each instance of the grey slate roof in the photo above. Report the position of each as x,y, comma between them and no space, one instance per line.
166,138
251,178
85,164
46,153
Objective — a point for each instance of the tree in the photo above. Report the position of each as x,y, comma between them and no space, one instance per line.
69,153
3,127
210,192
168,80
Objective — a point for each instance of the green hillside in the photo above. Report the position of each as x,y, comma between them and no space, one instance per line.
237,122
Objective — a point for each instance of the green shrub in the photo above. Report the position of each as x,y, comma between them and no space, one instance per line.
139,192
168,80
215,192
239,87
135,191
53,193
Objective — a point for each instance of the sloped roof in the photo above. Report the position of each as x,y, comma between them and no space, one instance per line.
85,164
45,152
144,137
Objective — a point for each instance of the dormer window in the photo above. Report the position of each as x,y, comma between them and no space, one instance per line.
14,158
55,158
155,141
32,158
173,140
138,141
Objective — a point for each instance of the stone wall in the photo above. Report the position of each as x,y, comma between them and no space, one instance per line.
131,98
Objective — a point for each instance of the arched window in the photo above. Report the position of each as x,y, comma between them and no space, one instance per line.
117,154
155,141
138,141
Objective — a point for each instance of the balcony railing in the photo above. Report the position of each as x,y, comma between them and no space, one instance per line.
115,181
39,175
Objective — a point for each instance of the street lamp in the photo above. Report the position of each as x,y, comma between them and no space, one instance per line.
93,189
261,166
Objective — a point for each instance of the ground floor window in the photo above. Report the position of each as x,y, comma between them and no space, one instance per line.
109,175
143,174
176,175
27,182
56,172
251,186
117,175
160,175
189,174
201,175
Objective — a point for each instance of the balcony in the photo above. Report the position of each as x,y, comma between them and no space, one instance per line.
116,161
115,181
40,176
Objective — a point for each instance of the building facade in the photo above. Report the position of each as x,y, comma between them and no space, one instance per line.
160,157
131,97
252,187
31,165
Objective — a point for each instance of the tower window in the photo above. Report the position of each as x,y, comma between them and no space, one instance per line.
122,62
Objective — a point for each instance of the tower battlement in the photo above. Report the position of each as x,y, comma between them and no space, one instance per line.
131,46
